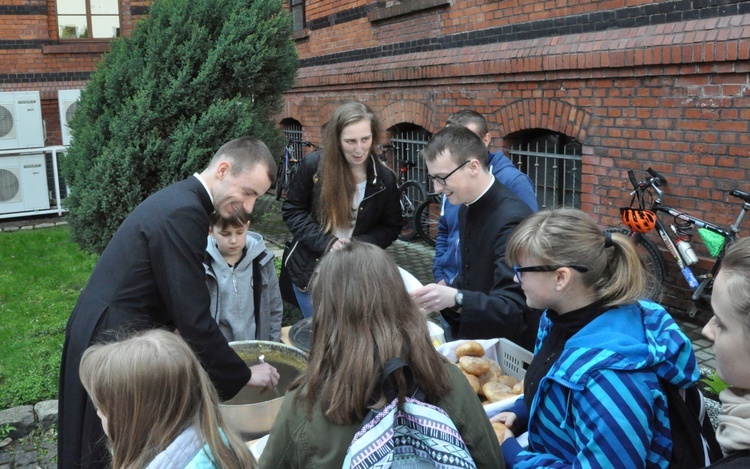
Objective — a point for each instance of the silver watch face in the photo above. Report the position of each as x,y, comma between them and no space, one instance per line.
459,298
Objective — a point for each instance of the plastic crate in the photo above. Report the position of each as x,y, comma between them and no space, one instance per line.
513,359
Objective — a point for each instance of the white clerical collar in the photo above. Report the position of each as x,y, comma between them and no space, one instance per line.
205,186
483,192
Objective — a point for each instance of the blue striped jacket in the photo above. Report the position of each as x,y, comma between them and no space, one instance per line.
601,404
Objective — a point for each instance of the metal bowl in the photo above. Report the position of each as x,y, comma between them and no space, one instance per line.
251,413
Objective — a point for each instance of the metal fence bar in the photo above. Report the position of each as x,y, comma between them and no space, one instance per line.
293,133
407,146
556,176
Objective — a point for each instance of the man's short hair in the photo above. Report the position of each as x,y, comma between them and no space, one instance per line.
464,117
462,144
244,153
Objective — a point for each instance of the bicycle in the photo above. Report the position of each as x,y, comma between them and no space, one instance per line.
427,218
645,218
289,165
411,194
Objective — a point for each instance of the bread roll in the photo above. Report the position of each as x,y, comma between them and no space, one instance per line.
495,391
518,388
495,366
473,381
507,380
476,366
499,428
470,348
487,377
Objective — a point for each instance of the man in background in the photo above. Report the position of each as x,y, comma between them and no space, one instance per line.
485,301
447,264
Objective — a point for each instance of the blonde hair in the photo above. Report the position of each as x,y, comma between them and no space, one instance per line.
736,262
151,387
338,184
567,236
363,316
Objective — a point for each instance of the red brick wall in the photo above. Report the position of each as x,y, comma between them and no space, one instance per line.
673,95
33,59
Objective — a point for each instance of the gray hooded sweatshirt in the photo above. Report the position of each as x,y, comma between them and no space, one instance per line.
231,290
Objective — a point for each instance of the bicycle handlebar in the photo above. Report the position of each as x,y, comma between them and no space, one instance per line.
302,142
653,182
659,179
633,180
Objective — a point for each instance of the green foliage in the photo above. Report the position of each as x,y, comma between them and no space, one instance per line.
5,430
192,76
714,384
41,274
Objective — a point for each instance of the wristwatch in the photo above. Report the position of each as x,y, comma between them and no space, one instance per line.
459,298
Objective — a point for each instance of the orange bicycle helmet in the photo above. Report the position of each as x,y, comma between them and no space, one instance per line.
638,220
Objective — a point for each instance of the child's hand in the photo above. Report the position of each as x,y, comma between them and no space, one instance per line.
263,376
506,418
340,243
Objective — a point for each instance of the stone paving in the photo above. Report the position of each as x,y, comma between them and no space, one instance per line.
414,256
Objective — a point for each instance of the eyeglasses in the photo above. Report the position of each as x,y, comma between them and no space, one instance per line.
442,179
518,270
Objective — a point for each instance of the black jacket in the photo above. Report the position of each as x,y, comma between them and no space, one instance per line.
150,275
494,305
379,219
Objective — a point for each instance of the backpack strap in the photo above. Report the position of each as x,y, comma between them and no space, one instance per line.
386,384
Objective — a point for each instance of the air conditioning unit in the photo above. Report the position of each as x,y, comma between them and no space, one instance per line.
67,100
23,183
21,120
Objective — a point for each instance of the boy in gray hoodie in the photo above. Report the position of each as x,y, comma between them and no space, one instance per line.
241,278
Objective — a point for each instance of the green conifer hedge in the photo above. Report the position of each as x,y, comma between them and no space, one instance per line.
191,76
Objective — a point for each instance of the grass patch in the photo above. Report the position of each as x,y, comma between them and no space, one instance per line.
41,274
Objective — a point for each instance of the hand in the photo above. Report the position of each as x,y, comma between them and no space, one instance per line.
340,243
263,376
507,419
434,297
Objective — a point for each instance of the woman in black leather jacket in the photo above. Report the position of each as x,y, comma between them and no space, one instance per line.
339,193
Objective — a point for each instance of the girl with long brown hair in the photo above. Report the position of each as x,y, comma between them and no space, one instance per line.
364,317
341,193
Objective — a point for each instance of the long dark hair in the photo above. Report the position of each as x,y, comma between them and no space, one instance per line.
363,316
338,186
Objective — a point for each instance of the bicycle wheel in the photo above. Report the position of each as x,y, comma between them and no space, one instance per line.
280,181
411,194
427,220
652,261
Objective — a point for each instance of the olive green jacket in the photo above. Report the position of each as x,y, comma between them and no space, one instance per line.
298,442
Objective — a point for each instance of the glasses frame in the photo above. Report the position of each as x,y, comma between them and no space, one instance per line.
518,270
442,179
